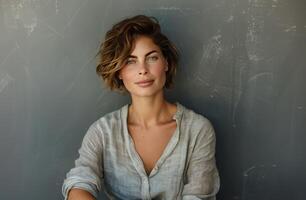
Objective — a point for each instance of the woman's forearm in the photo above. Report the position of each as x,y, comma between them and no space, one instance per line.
79,194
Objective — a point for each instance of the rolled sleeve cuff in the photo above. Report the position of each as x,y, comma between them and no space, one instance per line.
192,197
91,188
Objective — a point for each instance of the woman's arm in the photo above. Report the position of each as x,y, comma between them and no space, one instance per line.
202,174
87,173
79,194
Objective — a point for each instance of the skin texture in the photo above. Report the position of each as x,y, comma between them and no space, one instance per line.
147,62
78,194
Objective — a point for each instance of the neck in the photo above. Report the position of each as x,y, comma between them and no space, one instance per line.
148,111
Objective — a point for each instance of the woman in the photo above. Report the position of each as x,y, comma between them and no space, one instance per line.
151,148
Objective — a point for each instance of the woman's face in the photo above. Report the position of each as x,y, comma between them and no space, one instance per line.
146,63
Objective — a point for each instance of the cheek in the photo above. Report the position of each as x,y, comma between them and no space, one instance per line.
125,74
159,72
158,69
127,78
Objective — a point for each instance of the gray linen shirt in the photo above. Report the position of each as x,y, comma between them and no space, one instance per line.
109,162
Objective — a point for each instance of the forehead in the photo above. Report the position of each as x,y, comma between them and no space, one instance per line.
142,45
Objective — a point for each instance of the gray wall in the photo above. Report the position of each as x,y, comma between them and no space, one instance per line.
242,66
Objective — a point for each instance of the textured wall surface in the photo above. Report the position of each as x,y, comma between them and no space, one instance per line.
243,66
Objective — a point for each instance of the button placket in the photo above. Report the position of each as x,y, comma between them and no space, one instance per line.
145,188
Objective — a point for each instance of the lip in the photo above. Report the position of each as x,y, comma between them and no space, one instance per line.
144,81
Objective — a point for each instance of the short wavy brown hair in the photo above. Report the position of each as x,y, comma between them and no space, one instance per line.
118,45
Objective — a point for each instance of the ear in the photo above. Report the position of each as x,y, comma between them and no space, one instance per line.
166,68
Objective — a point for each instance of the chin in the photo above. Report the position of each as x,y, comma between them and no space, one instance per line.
146,93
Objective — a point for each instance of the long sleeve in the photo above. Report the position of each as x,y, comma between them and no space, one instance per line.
202,181
87,173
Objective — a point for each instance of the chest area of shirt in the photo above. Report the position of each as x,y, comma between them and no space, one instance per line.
151,143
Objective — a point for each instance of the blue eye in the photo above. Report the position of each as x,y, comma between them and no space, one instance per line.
130,62
152,58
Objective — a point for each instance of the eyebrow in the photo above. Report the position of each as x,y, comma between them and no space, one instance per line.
132,56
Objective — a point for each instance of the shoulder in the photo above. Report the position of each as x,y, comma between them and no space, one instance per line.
108,119
198,129
194,118
196,121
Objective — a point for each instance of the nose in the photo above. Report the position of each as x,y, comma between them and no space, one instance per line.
143,69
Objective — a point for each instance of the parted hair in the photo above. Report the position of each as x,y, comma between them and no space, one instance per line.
119,43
